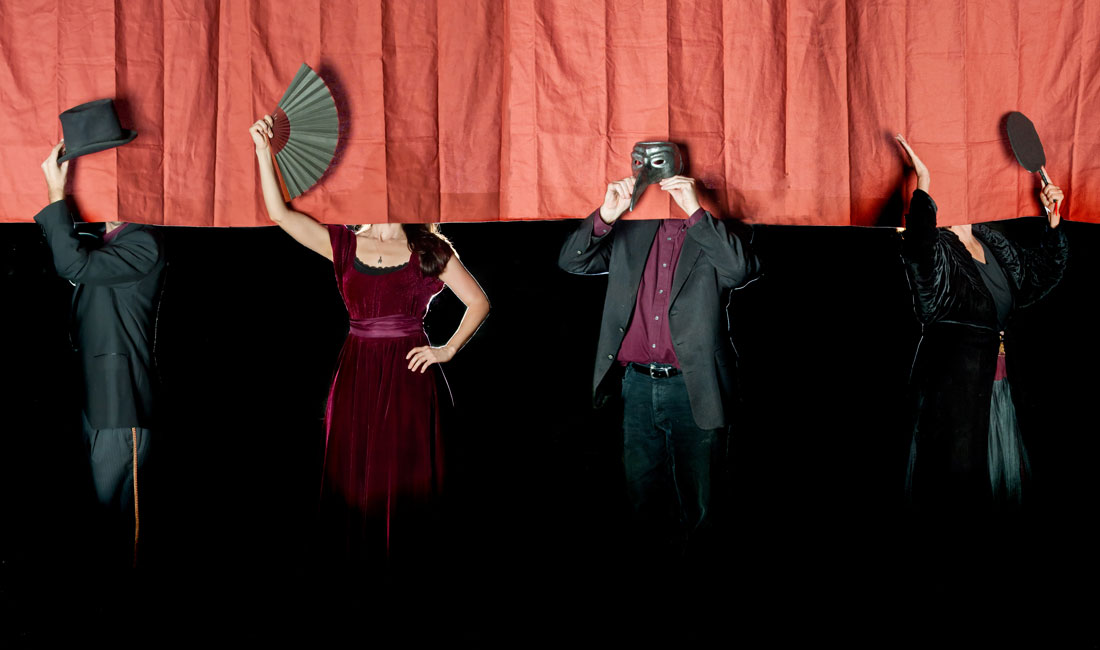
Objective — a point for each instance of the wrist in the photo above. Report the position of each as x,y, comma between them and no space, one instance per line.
607,219
56,195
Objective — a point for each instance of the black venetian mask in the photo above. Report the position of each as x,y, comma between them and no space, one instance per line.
651,162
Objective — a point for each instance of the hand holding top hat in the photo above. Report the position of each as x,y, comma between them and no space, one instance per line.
87,128
56,174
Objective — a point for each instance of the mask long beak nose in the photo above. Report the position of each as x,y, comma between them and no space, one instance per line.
640,183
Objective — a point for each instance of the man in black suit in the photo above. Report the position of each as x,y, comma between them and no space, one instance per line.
117,278
665,327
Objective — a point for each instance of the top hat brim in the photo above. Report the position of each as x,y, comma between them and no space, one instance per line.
97,146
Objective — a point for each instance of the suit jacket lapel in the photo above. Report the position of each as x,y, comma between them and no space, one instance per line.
636,244
689,255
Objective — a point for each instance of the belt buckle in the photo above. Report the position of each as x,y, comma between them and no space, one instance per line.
658,373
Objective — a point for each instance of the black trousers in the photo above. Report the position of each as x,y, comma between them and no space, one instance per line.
112,463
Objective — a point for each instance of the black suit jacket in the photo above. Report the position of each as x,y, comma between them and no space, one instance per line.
114,314
716,257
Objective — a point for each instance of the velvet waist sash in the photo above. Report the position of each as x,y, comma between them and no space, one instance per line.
386,327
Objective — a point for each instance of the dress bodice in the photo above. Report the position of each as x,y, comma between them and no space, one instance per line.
402,291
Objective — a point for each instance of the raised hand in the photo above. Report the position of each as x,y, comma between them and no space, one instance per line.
1052,197
924,179
616,200
56,175
682,189
425,355
261,133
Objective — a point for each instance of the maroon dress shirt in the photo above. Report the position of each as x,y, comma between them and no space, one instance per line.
648,339
107,237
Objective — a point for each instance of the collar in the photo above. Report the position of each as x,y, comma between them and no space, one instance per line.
107,237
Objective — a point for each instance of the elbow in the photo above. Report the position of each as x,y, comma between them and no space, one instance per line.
566,262
72,272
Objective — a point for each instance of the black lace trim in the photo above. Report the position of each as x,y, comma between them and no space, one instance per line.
375,270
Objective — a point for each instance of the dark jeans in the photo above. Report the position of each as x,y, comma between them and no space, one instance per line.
669,460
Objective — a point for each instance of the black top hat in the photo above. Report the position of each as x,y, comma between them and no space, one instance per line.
92,127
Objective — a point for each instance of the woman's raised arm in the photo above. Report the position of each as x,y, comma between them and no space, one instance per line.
303,228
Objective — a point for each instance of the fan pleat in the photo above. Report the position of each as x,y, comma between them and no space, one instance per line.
313,131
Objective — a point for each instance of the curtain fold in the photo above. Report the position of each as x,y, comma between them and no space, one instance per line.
486,110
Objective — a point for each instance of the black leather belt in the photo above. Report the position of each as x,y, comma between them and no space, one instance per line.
656,372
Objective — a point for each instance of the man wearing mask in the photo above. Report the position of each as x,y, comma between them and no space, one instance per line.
665,333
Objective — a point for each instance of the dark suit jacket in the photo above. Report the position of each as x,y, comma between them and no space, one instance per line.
716,257
114,314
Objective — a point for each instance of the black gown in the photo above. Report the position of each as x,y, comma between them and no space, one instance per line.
955,367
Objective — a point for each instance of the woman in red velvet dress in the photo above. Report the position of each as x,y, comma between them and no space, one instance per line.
383,458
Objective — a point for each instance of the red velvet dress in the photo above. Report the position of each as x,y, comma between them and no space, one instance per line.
383,461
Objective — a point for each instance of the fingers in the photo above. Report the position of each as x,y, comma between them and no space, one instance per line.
421,361
263,126
65,168
905,145
54,153
422,357
677,182
1051,194
619,190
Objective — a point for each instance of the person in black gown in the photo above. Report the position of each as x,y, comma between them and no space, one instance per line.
967,454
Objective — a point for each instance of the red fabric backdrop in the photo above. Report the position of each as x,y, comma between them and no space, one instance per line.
482,110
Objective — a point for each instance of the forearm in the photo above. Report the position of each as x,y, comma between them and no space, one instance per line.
583,252
57,226
919,237
269,183
475,315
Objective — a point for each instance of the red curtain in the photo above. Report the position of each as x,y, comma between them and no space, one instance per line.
483,110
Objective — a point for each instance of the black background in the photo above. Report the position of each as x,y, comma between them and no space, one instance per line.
535,546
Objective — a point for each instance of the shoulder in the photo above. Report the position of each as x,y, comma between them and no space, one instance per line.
340,238
338,232
139,236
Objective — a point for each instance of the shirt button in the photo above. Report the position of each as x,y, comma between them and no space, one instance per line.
656,318
653,346
664,264
660,291
668,238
